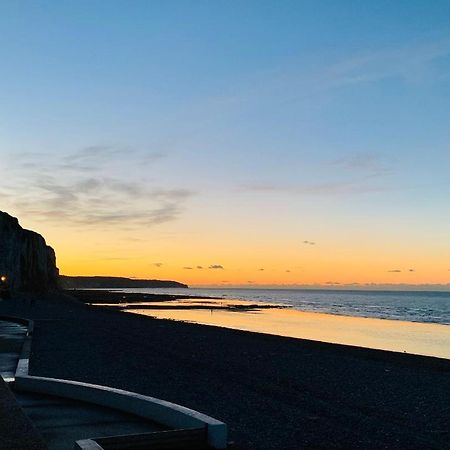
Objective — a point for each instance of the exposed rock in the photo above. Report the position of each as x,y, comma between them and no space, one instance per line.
25,258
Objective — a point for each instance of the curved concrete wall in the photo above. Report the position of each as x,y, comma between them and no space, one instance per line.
161,411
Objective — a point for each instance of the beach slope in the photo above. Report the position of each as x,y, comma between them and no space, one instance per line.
273,392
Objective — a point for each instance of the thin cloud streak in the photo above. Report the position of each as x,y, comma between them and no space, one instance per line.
371,164
319,189
412,63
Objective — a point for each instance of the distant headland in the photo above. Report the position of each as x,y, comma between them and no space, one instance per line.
79,282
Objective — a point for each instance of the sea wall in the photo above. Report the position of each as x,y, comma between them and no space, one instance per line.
25,258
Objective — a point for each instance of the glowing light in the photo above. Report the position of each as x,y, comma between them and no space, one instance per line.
3,278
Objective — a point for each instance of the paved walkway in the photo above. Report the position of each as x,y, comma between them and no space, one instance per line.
62,421
12,336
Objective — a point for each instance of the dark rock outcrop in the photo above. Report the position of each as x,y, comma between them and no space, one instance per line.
25,258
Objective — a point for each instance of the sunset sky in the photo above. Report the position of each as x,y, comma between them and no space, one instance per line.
231,142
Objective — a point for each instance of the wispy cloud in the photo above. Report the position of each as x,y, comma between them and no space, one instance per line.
356,187
366,163
412,63
117,258
400,270
308,243
216,266
354,174
92,153
91,187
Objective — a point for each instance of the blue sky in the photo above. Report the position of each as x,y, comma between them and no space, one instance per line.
297,114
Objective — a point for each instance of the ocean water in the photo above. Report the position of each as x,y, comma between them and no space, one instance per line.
425,307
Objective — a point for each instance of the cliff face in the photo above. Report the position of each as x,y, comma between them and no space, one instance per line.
25,258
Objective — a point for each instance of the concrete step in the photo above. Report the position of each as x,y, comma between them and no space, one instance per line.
63,421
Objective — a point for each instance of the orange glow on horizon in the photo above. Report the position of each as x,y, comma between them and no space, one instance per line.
248,259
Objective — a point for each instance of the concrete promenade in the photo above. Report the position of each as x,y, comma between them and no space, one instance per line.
12,336
17,432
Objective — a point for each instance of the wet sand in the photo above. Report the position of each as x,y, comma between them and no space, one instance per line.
393,335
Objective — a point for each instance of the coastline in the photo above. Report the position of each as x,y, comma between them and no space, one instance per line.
427,339
410,306
274,392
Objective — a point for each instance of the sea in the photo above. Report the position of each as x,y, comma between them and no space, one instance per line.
423,306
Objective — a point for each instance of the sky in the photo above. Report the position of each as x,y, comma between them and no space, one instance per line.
231,142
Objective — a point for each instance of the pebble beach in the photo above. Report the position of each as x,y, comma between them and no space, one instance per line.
273,392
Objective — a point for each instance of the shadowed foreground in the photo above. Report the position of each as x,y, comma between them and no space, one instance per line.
16,430
273,392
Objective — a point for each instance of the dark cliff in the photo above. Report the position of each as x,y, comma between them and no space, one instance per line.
25,258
